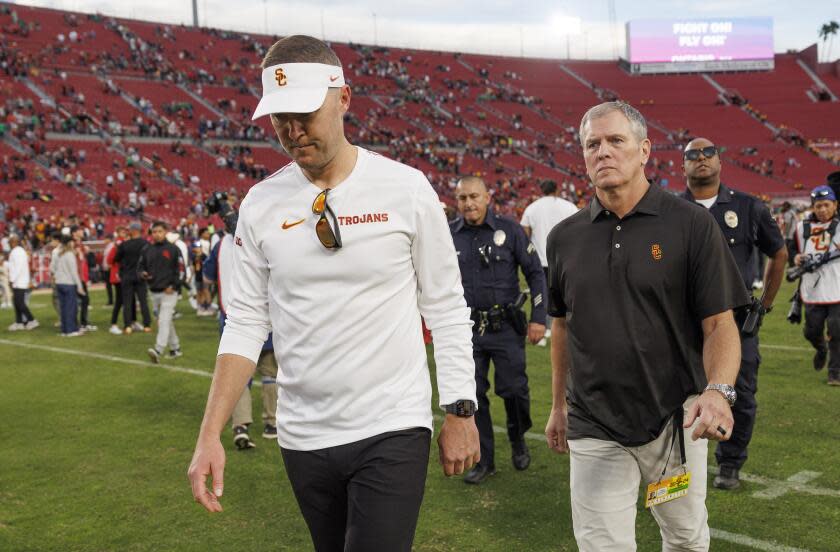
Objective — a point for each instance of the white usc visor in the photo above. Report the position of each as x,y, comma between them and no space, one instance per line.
297,87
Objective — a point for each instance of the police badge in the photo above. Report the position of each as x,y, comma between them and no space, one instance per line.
731,219
499,237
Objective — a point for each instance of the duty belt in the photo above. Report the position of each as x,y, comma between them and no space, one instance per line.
491,319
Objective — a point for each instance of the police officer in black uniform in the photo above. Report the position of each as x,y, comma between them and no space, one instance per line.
746,224
490,249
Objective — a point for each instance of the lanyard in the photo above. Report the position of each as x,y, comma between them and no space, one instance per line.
677,436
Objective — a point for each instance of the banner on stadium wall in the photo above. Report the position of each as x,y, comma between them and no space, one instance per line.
692,45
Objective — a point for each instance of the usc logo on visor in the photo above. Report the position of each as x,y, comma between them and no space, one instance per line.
280,76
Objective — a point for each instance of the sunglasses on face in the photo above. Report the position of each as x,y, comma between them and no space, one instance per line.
328,234
694,154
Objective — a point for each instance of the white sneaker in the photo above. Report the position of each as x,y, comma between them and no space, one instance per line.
542,342
548,333
91,328
32,324
115,330
16,327
137,326
193,303
72,334
6,306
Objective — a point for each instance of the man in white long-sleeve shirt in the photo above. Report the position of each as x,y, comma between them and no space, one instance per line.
339,254
20,280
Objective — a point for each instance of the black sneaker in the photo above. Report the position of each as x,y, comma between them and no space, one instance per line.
727,479
154,354
520,455
241,438
269,432
819,359
478,474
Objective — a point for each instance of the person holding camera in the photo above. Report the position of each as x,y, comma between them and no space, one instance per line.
490,249
818,243
162,268
748,226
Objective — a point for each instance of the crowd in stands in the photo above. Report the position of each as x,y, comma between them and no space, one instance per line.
446,114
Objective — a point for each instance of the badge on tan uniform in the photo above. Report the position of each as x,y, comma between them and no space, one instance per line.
499,237
731,219
667,490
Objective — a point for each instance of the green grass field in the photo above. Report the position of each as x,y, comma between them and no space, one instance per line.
94,453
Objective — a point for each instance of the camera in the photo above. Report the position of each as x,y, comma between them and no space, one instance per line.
795,314
217,203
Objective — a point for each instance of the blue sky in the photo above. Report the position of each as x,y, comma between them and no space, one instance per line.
507,27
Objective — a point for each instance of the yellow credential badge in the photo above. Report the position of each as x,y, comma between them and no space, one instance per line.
667,490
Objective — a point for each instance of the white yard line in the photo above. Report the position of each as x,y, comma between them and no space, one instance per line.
111,358
750,542
786,348
774,488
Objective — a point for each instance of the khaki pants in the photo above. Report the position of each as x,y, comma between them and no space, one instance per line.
164,305
605,479
267,369
5,291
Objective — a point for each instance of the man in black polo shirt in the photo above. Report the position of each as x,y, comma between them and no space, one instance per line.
642,287
747,226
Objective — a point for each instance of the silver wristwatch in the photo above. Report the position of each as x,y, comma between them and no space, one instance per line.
727,391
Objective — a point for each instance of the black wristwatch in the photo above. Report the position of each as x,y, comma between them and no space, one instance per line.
462,408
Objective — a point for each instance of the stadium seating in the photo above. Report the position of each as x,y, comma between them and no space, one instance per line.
512,120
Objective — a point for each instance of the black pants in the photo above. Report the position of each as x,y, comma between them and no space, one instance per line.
362,496
132,289
733,453
84,306
506,349
118,303
818,318
106,275
22,313
792,250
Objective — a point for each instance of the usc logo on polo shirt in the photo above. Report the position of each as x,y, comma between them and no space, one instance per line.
656,252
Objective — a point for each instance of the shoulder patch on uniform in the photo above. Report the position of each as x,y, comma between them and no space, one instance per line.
531,248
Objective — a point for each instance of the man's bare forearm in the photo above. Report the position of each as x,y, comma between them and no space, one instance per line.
721,348
559,363
773,275
229,379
